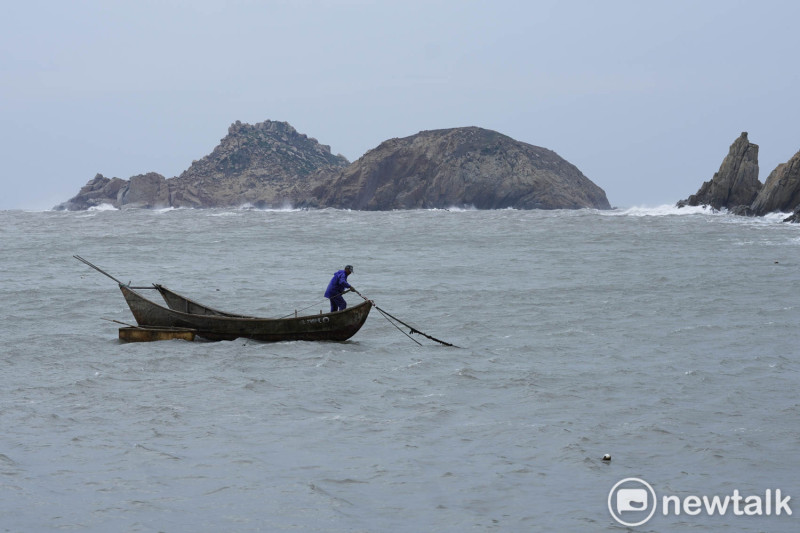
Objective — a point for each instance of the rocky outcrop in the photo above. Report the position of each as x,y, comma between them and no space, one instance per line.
145,190
100,190
460,167
270,164
735,184
781,191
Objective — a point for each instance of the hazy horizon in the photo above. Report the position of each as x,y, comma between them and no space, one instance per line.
644,98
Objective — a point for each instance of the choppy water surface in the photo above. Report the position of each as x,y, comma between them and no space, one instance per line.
669,341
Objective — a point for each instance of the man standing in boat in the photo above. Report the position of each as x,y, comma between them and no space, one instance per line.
337,287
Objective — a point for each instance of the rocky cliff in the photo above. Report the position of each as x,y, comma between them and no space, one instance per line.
737,188
461,167
271,165
736,183
781,191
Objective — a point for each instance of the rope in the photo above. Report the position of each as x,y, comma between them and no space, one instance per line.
315,304
412,329
303,309
395,325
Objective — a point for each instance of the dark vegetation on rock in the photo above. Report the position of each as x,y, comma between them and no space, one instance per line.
270,164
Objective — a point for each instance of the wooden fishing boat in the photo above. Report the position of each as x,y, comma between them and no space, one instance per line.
213,324
183,313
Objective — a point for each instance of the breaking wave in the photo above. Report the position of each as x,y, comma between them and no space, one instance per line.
672,210
103,207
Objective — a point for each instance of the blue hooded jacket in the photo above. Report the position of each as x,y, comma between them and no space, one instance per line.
337,285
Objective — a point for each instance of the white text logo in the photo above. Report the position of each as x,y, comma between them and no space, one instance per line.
632,502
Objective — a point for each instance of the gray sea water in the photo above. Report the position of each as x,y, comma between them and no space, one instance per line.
666,339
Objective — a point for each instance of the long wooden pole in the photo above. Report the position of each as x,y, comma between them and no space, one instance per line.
82,260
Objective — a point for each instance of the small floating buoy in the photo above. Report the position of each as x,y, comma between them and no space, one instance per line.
607,457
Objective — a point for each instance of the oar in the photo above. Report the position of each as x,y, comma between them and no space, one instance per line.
411,328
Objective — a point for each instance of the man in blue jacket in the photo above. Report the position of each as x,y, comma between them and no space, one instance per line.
337,287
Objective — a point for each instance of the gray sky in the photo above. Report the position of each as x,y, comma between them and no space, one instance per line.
644,97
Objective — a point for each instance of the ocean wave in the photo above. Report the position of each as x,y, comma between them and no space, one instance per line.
454,208
103,207
672,210
287,206
663,210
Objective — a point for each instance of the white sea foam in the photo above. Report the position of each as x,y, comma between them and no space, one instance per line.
285,207
663,210
672,210
776,216
457,208
103,207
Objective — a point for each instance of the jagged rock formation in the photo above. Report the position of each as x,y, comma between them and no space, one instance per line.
270,165
781,191
461,167
145,190
267,165
736,186
100,190
795,216
736,183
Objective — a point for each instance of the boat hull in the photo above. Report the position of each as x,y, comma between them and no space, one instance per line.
338,326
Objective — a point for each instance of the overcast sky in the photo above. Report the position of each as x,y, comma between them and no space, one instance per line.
644,97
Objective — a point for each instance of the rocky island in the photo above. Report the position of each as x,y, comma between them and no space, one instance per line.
271,165
460,167
736,186
268,164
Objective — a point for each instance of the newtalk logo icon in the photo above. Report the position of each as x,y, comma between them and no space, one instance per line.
632,502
